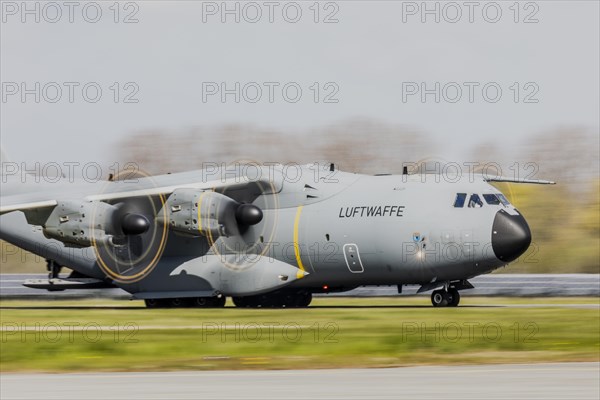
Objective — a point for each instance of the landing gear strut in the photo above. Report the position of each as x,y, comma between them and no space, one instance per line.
445,298
53,269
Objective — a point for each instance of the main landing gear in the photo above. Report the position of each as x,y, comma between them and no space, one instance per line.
445,297
275,300
187,302
270,300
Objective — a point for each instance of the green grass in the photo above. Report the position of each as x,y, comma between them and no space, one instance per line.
336,332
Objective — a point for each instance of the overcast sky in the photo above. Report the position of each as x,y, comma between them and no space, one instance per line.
373,58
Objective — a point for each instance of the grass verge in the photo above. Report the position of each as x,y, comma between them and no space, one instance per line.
107,335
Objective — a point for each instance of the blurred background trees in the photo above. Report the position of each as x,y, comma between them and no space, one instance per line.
357,145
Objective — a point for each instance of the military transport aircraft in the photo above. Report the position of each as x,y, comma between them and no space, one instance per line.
262,235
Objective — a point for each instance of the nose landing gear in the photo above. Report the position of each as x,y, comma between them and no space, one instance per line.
445,297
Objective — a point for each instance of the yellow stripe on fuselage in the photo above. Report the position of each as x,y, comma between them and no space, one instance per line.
200,213
296,245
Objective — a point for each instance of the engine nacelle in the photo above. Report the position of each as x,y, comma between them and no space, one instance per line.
79,224
197,213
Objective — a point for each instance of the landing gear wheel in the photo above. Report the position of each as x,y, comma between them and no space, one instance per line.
439,298
288,301
178,302
201,302
303,299
454,297
274,300
208,302
240,301
155,303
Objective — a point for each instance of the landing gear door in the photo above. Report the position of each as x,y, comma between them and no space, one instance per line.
352,257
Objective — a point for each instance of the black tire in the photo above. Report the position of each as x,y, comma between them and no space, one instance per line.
178,302
208,302
155,303
201,302
303,300
274,300
439,298
453,297
288,301
240,301
247,301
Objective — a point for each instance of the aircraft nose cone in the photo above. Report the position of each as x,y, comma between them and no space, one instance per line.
510,236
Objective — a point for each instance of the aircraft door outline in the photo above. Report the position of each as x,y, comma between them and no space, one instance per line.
352,257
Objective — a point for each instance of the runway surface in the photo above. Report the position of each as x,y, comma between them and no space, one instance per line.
485,285
526,381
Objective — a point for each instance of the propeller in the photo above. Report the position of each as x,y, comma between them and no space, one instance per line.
129,218
138,227
219,215
237,226
248,214
134,224
136,239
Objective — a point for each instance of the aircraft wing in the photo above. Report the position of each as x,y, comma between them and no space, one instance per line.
519,180
239,188
16,204
111,213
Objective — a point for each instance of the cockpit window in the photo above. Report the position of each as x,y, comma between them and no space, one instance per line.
491,199
503,199
475,201
460,200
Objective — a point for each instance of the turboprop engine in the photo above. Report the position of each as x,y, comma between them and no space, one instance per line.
197,213
84,224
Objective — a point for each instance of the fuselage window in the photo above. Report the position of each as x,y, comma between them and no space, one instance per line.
491,199
460,200
503,199
475,201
